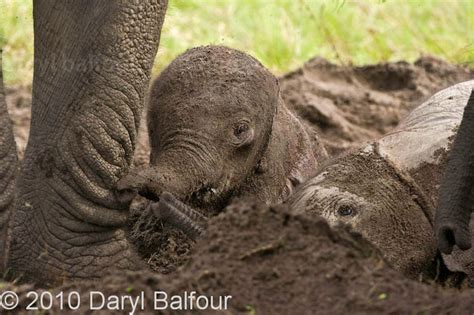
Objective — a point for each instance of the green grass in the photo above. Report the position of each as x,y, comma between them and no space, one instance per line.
285,33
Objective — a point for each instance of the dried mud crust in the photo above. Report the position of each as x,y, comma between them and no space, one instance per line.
274,262
350,105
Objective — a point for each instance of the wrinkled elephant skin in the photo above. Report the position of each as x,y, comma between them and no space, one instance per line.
8,169
92,67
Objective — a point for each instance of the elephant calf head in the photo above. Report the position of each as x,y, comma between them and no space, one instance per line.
388,189
218,129
210,119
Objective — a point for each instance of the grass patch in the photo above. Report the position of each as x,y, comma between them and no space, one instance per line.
285,33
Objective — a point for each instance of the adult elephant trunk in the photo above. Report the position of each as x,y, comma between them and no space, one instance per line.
92,67
8,167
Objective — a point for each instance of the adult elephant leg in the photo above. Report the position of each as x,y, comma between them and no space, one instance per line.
8,168
92,68
457,189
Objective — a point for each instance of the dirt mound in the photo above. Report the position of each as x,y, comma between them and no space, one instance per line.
350,105
273,262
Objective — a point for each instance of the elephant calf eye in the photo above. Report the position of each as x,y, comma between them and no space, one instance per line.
344,211
243,134
240,129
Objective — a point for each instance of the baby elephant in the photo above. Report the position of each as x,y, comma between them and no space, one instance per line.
218,129
388,189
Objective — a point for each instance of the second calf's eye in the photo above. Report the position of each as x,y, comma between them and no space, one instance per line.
345,211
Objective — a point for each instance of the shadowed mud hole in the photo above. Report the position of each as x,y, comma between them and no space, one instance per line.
269,260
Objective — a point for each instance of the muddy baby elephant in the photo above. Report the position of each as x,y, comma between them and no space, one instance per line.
388,189
218,129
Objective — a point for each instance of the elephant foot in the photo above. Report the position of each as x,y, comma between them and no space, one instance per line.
180,215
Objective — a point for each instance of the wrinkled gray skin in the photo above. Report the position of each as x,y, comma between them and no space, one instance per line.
8,168
218,129
456,201
388,189
92,67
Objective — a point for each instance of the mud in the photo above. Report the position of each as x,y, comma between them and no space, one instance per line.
349,105
161,246
271,261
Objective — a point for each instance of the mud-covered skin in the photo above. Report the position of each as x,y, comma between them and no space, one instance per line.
218,128
8,168
92,66
365,192
388,189
456,201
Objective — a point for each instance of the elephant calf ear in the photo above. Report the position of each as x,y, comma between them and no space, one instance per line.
8,167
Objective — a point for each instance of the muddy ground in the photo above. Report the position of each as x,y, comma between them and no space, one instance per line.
269,260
